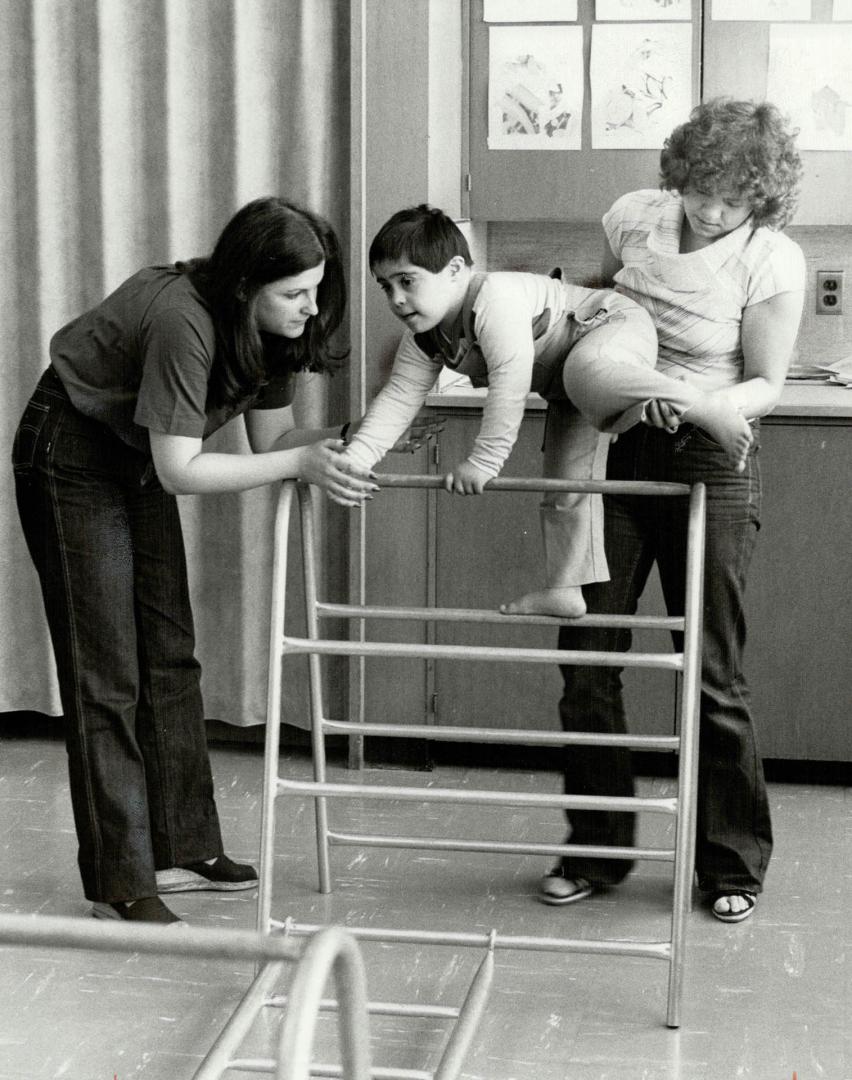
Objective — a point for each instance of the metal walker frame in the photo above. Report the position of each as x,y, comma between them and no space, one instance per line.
685,744
332,950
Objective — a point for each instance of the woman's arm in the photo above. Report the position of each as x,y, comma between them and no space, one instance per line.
183,469
276,429
769,331
387,422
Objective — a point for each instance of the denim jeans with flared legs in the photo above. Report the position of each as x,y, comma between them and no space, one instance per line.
734,834
106,541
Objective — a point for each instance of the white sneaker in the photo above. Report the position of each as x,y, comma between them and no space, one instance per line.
559,890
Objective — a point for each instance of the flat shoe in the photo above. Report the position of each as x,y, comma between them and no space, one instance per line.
218,875
558,890
733,916
150,909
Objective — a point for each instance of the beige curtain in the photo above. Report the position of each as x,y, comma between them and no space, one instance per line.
130,133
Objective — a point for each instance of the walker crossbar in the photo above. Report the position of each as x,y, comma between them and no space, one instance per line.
505,735
426,614
380,1008
505,847
535,483
500,655
311,643
476,798
659,950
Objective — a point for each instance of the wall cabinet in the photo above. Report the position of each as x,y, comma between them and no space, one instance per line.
799,654
478,552
568,185
729,58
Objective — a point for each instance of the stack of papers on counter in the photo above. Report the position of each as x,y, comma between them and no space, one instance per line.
838,373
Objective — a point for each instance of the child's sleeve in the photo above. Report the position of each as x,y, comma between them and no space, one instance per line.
395,406
503,317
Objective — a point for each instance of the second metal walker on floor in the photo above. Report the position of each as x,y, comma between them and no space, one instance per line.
681,806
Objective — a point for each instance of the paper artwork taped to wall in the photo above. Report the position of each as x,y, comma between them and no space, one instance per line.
643,9
530,11
641,78
762,10
810,79
842,11
535,88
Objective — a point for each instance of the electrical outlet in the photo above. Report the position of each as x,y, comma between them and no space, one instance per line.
829,292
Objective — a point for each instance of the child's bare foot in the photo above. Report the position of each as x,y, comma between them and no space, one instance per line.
567,603
729,428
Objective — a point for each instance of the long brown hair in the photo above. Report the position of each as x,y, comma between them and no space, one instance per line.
268,239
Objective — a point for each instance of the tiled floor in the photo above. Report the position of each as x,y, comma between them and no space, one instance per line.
761,1001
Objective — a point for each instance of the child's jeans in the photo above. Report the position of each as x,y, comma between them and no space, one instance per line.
606,351
106,541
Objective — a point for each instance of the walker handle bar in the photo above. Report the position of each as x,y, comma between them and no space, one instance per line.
506,483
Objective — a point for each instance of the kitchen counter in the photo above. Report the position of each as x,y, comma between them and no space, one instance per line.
797,399
800,619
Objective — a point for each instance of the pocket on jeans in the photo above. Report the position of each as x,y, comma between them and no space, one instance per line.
27,436
706,441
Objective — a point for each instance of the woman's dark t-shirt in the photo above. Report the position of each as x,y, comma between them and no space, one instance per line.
141,361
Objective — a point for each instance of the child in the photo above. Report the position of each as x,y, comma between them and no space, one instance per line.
582,349
112,432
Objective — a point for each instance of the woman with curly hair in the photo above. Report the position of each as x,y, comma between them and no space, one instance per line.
705,256
113,431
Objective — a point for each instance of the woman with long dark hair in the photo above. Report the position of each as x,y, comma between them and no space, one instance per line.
113,431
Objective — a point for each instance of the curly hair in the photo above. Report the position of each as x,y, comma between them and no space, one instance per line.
741,147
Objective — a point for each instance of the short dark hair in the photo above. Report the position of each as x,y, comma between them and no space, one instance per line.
268,239
737,146
422,234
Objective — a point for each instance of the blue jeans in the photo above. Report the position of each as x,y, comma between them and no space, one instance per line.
734,834
106,541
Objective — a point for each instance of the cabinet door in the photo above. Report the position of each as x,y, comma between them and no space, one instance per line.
736,61
799,653
487,551
397,574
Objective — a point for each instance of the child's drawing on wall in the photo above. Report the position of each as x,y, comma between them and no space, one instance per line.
535,91
530,11
810,80
762,10
641,83
829,111
643,9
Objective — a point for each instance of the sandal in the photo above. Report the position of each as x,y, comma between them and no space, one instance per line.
558,890
733,916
